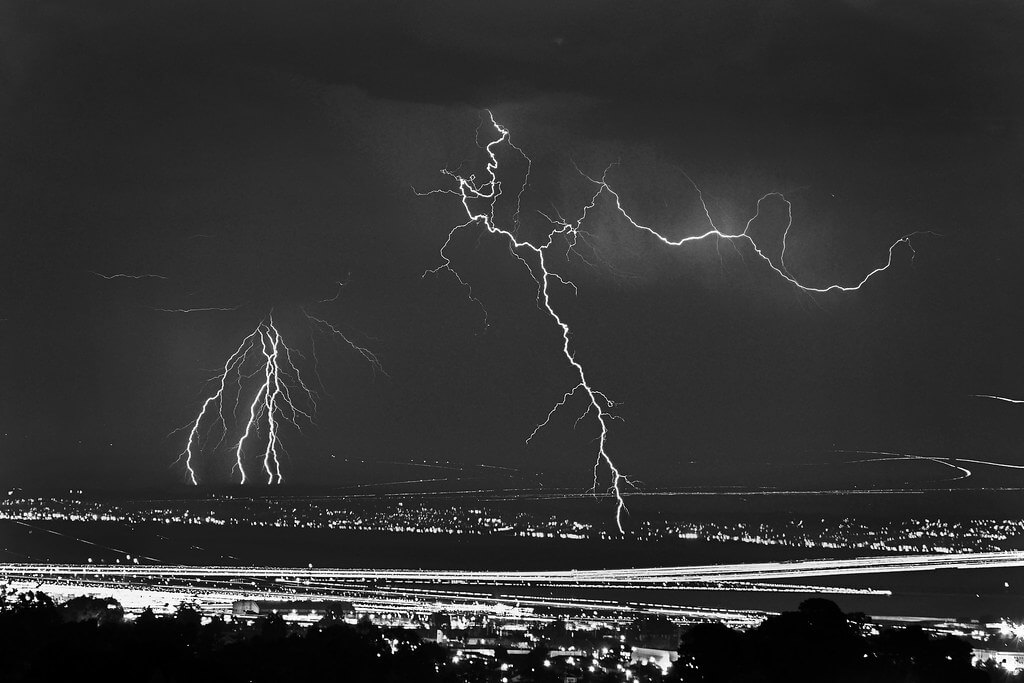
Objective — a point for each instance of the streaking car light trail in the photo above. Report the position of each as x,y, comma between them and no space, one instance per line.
213,597
889,456
734,586
653,576
1004,399
534,257
77,539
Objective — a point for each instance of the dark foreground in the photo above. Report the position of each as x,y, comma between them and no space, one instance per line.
88,639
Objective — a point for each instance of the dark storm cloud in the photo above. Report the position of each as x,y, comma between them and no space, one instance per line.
803,59
713,79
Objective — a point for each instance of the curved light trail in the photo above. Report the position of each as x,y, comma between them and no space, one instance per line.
660,576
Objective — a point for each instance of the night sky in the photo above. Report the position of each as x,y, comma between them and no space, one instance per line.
255,153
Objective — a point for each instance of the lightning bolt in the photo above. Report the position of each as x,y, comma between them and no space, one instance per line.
262,367
332,331
778,267
233,364
535,258
128,276
201,309
280,396
273,402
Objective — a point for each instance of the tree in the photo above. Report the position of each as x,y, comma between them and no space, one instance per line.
86,608
707,654
273,627
147,618
188,616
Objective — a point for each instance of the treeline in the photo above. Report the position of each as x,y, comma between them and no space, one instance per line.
820,643
87,640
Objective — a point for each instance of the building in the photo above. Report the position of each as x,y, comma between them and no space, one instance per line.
304,611
1011,661
648,655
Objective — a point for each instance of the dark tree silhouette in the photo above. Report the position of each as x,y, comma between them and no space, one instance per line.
706,653
817,643
273,627
82,640
86,608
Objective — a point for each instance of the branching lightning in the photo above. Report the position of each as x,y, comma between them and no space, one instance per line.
280,396
780,267
261,379
332,331
486,193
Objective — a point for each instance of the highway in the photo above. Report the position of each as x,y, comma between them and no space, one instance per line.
662,576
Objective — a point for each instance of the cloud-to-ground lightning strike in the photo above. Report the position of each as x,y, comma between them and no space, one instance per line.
265,384
262,358
534,257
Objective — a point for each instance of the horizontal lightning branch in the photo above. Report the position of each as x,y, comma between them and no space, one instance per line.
128,276
202,309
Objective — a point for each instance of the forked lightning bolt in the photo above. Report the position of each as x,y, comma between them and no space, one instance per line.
263,367
485,194
280,395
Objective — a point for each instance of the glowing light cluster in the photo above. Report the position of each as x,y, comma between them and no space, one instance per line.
485,193
1009,629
